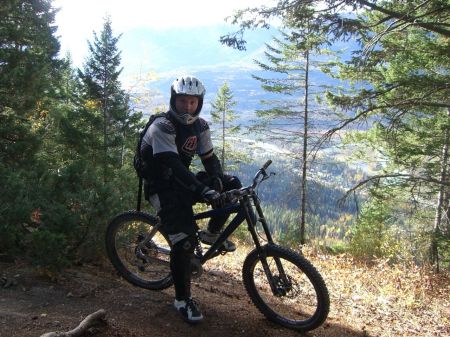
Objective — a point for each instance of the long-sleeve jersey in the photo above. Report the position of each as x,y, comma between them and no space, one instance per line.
173,146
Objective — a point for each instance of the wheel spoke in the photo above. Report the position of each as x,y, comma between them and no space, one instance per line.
294,292
139,251
145,260
298,297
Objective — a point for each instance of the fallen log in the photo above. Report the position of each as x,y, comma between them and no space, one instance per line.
90,321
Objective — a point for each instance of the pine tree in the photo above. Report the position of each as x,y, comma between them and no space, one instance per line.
407,101
28,65
289,120
400,86
223,113
103,93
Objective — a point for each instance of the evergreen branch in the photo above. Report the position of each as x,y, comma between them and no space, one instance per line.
408,18
406,177
408,102
399,23
391,28
346,122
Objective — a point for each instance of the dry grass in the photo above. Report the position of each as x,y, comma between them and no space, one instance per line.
380,299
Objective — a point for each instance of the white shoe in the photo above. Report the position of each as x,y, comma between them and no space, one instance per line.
189,310
209,238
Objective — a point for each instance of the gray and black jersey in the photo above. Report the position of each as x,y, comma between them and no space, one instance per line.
168,148
185,140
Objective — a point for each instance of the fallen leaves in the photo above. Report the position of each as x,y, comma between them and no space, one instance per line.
386,300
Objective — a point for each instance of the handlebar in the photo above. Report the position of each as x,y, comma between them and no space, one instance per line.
266,165
236,193
261,171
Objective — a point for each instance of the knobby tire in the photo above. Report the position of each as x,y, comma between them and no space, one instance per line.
302,303
145,266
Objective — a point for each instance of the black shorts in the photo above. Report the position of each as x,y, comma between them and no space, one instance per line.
176,204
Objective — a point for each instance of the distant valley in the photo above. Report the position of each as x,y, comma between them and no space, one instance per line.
161,56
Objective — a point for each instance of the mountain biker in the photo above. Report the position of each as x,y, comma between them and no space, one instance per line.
168,147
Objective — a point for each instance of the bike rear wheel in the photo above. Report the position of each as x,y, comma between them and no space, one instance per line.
298,297
139,251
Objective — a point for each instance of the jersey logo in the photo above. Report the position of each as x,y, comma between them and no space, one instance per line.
190,145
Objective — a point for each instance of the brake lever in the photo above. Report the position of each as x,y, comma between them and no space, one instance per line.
267,176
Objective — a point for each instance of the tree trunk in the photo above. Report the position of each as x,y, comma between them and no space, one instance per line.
305,154
105,142
223,138
105,129
440,202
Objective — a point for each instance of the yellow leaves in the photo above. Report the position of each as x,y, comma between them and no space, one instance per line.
145,78
43,113
358,176
388,300
410,301
36,125
345,218
40,109
39,105
92,104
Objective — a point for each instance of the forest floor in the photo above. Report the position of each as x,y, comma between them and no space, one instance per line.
376,300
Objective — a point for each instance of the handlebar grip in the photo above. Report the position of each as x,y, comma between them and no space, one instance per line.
267,164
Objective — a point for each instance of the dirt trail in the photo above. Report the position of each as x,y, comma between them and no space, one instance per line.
35,305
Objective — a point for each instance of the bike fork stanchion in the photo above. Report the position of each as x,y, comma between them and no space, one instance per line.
262,219
268,236
251,222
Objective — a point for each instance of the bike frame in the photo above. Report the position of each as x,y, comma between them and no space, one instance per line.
264,267
248,199
244,212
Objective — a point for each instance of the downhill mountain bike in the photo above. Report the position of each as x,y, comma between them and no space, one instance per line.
282,283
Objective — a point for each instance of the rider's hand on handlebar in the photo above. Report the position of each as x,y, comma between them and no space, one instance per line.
217,184
215,199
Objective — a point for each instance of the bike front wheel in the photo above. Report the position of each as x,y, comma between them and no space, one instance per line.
286,288
139,251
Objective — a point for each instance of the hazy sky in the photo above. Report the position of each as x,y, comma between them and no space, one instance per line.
77,19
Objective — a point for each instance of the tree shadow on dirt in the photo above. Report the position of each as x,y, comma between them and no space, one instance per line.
227,310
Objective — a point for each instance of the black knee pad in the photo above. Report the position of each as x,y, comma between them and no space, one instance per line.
185,246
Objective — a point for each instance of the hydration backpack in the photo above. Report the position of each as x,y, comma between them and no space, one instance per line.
138,162
142,168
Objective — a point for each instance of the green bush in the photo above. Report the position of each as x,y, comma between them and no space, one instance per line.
47,249
373,235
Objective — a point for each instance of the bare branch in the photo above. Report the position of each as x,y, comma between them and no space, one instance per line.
82,328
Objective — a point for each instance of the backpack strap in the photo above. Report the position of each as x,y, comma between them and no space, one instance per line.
139,195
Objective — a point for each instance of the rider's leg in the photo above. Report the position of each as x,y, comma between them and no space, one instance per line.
180,265
178,222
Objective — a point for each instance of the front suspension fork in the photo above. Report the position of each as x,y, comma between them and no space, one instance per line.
252,222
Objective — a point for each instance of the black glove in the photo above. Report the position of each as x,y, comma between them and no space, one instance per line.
213,198
217,184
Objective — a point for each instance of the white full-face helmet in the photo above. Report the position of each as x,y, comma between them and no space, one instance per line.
187,86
